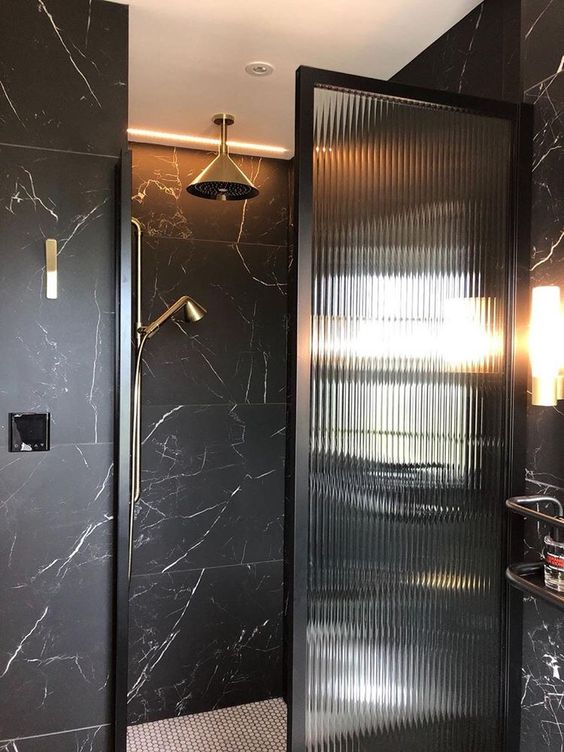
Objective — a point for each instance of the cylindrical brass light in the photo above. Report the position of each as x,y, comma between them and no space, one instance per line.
544,355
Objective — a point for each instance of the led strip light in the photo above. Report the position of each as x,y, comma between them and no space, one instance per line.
203,141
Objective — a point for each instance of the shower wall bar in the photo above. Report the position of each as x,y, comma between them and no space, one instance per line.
192,312
122,443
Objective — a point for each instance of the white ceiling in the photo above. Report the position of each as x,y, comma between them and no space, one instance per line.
187,58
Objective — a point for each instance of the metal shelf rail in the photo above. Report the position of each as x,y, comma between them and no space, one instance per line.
529,576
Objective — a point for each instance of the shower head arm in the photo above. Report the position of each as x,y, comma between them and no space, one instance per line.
223,120
151,328
223,138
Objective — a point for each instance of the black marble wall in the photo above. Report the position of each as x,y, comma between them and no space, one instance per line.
530,35
206,598
543,85
63,112
478,56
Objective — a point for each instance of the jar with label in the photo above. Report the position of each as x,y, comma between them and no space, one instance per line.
554,564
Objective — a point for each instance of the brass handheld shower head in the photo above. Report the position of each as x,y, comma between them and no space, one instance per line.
192,312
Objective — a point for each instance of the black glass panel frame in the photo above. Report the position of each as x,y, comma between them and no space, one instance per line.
406,392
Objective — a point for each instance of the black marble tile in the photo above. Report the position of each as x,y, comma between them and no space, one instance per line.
467,59
543,32
80,45
479,56
96,739
547,226
212,487
160,201
56,589
545,460
213,454
57,355
237,352
542,718
204,639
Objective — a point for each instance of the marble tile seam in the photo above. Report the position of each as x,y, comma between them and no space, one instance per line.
214,566
194,238
54,733
59,151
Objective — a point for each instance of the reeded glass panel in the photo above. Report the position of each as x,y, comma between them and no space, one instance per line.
407,426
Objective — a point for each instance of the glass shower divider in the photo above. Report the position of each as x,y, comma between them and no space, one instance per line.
402,416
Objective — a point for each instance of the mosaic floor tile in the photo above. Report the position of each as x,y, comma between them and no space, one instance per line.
255,727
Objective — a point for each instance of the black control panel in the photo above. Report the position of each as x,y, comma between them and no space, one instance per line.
29,432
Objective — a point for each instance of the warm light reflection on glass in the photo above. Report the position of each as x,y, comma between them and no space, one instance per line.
544,331
407,424
420,325
470,340
453,330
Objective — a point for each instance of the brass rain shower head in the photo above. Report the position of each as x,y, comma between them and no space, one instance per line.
222,180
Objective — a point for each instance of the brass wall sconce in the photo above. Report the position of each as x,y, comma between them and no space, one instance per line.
545,353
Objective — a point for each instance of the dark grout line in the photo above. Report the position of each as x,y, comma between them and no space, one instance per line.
282,246
199,569
214,404
60,151
54,733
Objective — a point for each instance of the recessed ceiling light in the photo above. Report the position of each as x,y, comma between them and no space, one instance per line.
160,136
259,68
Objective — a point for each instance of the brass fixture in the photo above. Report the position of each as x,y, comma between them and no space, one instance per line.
545,357
51,268
192,312
560,387
222,180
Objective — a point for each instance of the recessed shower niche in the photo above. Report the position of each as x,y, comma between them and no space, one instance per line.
256,617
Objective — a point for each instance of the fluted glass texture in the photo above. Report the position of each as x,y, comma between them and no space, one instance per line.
408,410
